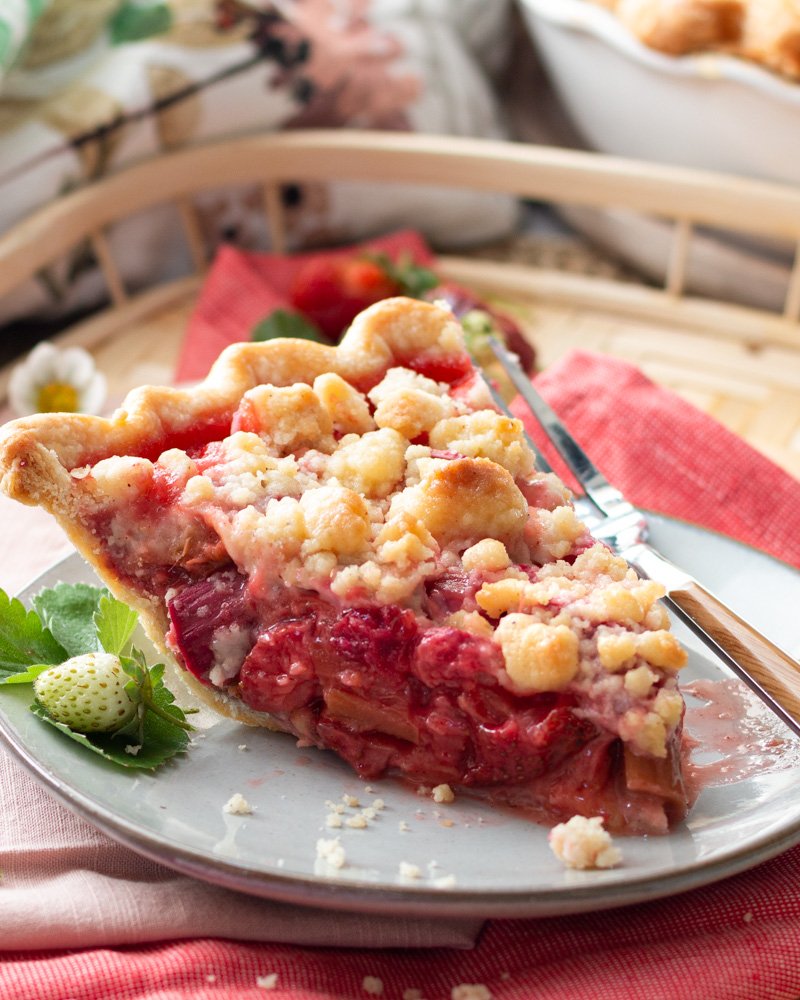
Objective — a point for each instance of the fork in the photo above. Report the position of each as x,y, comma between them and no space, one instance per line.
767,670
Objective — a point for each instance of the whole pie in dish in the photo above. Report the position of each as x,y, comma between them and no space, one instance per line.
351,544
761,31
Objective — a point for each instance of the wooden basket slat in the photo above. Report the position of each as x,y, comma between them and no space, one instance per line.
194,236
561,176
791,309
276,217
108,267
720,319
679,257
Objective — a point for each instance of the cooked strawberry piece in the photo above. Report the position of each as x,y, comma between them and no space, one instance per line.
381,638
370,758
449,655
331,293
585,783
279,674
451,592
514,754
165,488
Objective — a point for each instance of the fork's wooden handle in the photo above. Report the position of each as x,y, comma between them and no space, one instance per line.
769,666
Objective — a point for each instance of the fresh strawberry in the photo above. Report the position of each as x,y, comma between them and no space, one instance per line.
363,278
87,693
332,292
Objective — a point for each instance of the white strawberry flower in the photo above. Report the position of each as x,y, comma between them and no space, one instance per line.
51,380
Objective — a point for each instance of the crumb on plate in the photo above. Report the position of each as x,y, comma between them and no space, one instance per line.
584,843
237,805
408,870
331,852
443,793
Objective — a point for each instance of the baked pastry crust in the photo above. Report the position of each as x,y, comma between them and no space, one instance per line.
370,560
766,32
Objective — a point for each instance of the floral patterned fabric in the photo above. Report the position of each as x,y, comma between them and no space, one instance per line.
100,84
17,18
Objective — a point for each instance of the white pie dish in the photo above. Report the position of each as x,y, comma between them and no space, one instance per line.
501,862
709,111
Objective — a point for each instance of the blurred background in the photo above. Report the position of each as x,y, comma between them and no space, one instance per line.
88,87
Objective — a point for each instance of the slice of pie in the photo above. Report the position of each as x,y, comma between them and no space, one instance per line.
351,544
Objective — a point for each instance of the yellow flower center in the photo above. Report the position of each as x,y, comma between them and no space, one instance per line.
57,397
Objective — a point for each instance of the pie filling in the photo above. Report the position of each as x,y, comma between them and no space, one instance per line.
381,570
388,694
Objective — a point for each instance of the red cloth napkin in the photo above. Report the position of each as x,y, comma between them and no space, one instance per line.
736,940
667,456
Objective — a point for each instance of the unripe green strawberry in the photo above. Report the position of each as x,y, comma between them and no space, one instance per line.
87,693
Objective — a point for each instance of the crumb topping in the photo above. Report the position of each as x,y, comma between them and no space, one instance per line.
486,434
584,843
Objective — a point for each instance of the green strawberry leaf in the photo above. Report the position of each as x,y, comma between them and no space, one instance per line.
414,279
27,676
147,687
285,323
135,21
68,611
160,741
24,639
162,700
114,623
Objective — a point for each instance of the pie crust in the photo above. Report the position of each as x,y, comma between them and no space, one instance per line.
353,545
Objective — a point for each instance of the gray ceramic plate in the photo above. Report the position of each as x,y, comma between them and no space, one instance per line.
500,862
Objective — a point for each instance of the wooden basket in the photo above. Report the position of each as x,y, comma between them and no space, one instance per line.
741,365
